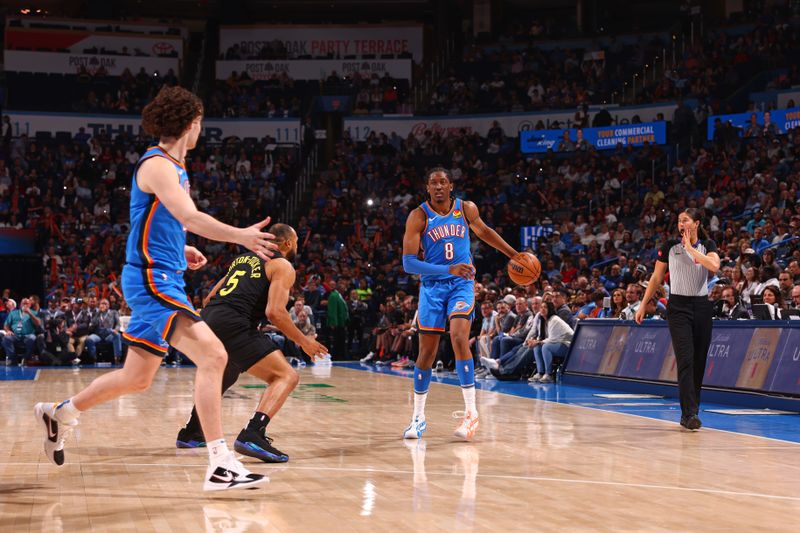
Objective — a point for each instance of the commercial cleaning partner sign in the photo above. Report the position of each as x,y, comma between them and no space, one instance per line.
605,138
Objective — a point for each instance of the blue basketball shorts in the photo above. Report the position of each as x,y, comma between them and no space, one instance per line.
155,297
440,301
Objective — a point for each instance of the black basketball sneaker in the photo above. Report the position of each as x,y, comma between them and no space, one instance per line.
190,438
258,445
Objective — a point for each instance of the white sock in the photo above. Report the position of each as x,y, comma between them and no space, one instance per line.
217,451
67,412
419,404
469,400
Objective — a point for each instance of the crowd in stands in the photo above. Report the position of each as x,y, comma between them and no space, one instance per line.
524,30
278,95
508,76
76,194
270,96
721,62
608,213
241,96
503,80
502,77
372,94
602,215
126,94
63,330
87,91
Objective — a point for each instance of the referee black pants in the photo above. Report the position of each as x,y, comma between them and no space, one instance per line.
689,319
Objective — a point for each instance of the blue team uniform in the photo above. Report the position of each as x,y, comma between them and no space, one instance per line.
152,278
445,241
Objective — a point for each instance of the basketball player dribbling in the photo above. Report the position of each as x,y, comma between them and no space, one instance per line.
161,212
440,229
238,302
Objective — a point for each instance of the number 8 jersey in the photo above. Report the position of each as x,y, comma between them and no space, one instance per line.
445,240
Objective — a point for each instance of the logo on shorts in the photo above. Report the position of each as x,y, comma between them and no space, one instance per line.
457,213
461,305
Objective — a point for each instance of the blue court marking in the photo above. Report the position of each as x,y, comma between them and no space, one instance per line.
17,373
780,427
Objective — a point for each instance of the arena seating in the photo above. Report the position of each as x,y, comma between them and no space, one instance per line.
519,75
608,211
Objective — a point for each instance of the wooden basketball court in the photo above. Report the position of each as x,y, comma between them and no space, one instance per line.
534,465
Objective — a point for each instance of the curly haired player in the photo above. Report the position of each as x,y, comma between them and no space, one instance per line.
161,212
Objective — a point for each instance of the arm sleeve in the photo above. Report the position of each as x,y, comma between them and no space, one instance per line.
710,246
412,265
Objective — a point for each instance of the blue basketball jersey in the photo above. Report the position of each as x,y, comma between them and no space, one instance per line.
156,239
445,240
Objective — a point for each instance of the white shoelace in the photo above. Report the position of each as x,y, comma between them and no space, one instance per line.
234,465
66,432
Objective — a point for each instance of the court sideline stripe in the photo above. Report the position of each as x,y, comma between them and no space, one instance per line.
459,474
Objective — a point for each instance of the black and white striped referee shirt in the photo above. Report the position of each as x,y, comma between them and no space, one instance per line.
686,276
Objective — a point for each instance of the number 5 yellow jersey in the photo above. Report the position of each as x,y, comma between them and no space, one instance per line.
243,292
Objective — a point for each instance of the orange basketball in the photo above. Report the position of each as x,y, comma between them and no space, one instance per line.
524,268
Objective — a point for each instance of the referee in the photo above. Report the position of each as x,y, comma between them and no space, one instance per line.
689,312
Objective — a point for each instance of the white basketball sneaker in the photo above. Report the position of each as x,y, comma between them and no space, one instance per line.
469,425
55,431
416,428
230,474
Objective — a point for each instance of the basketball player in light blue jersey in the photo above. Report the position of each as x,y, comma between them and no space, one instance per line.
161,211
438,231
